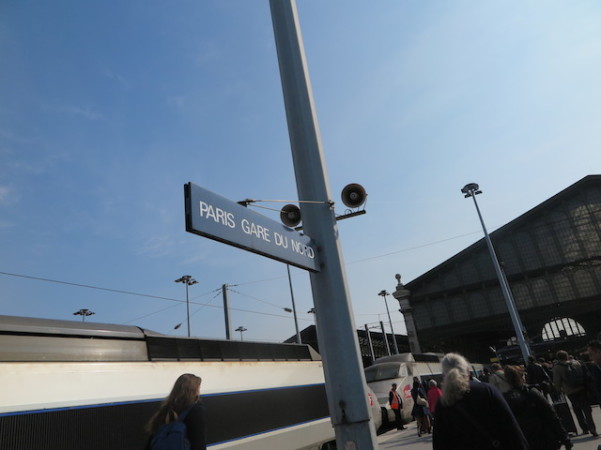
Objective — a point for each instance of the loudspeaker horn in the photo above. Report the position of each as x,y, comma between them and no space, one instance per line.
353,195
290,215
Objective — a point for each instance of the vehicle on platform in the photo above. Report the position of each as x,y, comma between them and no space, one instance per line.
76,385
401,369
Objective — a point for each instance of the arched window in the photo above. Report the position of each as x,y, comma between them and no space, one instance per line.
560,328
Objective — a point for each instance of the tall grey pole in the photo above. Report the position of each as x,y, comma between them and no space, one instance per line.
187,309
226,312
371,344
298,336
509,300
336,332
385,338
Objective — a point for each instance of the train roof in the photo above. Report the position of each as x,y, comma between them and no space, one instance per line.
32,325
34,339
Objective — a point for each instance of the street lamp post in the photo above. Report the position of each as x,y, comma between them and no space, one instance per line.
188,281
84,313
383,293
241,329
471,190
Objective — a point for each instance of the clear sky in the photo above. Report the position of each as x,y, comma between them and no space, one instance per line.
108,108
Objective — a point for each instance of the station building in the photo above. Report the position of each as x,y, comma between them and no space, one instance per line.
551,256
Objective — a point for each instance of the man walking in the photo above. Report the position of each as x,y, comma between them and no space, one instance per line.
569,377
396,404
594,353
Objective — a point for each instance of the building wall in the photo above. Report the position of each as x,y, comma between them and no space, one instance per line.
552,258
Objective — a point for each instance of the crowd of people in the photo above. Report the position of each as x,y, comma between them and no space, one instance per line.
512,407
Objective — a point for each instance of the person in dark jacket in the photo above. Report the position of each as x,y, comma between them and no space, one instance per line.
420,412
472,415
575,389
537,418
594,353
183,397
537,376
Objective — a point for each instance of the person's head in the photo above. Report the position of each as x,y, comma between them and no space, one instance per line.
495,367
531,359
594,351
514,376
562,356
184,394
456,373
394,386
432,383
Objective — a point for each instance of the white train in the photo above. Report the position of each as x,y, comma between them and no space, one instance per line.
72,385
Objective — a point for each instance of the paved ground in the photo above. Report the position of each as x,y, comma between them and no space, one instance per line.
408,440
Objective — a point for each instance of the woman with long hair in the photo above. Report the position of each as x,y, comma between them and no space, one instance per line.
537,418
420,412
472,415
182,401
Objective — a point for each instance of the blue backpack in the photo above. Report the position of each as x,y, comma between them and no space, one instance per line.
172,435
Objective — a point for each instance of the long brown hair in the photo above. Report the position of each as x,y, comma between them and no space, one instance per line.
183,395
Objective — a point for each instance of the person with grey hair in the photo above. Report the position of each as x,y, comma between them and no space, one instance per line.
472,416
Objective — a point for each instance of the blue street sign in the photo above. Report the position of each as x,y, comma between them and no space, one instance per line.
223,220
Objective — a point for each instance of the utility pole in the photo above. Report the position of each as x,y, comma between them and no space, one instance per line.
226,312
371,345
383,293
336,332
298,336
385,338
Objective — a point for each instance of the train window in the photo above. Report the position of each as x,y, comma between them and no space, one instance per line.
385,371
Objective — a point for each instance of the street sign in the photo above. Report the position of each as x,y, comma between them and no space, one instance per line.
215,217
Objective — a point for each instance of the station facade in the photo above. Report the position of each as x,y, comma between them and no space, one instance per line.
551,256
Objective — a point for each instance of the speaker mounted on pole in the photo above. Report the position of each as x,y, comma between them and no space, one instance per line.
353,195
290,215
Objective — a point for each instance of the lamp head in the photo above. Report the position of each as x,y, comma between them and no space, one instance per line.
471,189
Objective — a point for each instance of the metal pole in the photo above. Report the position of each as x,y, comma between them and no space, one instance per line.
509,301
226,312
385,338
396,348
298,336
371,344
338,342
187,309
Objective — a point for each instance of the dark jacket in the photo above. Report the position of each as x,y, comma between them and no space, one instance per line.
595,371
472,423
536,375
195,428
537,419
418,410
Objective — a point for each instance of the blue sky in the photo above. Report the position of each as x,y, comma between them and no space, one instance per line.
108,108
